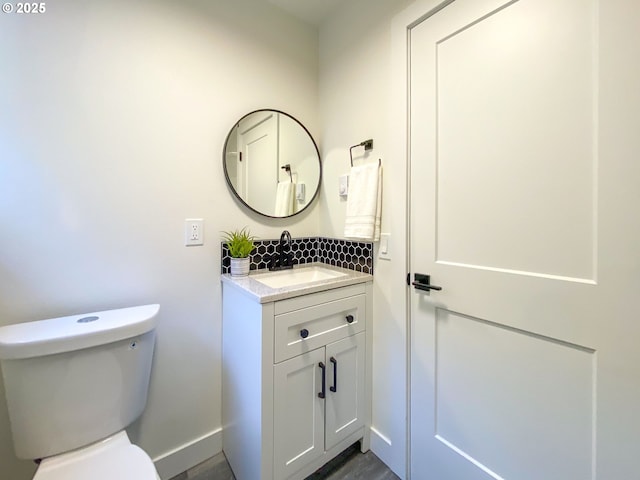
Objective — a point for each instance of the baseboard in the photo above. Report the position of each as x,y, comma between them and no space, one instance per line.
379,437
382,446
188,455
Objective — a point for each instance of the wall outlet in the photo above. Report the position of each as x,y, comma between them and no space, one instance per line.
193,232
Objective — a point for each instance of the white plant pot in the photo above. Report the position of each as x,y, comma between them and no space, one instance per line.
240,267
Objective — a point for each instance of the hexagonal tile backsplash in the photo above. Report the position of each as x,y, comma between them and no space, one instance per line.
332,251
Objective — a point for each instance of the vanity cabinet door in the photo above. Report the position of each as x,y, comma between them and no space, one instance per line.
298,412
345,389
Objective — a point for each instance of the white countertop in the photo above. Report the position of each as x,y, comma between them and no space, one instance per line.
264,294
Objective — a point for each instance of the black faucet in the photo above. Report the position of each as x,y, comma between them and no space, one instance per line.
283,258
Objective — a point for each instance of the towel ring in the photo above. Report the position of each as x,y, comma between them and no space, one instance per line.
287,168
368,145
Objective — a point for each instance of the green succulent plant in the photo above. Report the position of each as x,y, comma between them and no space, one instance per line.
239,242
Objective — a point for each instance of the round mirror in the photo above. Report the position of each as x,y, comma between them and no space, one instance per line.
272,164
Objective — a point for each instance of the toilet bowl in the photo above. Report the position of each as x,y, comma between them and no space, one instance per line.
110,459
73,384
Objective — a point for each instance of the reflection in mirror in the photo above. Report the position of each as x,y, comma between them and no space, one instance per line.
272,163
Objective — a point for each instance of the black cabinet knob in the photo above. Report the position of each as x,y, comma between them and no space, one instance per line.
304,333
349,318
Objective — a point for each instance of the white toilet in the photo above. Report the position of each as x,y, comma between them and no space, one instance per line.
72,385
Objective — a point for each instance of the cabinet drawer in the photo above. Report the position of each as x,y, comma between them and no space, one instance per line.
322,324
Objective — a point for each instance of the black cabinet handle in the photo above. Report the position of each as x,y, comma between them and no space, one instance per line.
304,333
324,378
349,318
335,375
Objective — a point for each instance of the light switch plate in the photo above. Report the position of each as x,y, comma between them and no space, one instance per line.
300,192
384,252
343,185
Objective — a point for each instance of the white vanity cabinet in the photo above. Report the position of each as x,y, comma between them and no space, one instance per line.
296,380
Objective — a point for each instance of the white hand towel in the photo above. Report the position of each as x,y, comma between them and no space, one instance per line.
285,196
364,203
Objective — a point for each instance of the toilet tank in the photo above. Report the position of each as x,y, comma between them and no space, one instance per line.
74,380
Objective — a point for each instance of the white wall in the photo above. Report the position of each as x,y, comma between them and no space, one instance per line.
113,117
355,105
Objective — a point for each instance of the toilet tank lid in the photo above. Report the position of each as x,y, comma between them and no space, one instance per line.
75,332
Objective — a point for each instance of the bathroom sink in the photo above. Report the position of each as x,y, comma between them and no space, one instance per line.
297,276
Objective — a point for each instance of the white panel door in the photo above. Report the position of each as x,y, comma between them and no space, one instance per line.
298,412
344,409
525,193
258,144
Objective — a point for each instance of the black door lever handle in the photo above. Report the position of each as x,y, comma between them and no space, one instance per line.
422,282
422,286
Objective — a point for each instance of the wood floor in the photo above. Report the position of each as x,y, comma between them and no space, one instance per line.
349,465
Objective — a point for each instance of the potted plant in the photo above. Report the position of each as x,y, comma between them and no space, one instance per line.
240,245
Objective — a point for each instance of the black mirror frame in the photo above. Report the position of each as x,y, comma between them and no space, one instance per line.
226,173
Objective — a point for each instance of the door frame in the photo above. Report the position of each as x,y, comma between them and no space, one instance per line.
401,27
